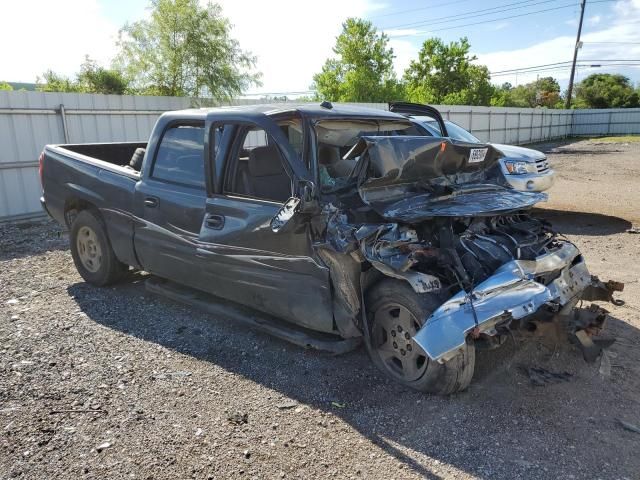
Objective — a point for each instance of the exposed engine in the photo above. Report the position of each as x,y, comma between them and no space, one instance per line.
471,249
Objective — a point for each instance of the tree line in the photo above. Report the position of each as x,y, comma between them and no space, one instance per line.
444,74
185,49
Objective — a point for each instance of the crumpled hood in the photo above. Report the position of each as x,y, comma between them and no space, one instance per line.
518,153
410,179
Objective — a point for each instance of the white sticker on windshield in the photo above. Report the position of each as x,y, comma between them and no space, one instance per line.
477,155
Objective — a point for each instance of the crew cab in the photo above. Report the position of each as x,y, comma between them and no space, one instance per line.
330,225
524,169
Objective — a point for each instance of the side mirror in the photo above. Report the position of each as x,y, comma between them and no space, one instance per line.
283,218
308,197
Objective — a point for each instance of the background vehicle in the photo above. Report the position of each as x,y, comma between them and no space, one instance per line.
524,168
387,249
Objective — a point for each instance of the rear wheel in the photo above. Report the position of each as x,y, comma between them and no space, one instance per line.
91,250
396,313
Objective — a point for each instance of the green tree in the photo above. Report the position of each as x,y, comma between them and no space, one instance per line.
5,86
53,82
95,79
606,90
184,49
443,74
362,70
544,92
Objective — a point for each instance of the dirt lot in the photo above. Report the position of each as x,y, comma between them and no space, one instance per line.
117,383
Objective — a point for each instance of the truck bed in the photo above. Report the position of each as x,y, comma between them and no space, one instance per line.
113,153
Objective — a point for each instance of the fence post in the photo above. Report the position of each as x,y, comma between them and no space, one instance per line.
550,126
609,124
448,114
572,112
506,114
518,129
65,129
531,128
470,121
489,135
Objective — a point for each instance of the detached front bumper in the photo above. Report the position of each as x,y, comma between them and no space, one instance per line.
511,293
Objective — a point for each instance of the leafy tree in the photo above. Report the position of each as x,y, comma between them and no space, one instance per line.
444,74
544,92
5,86
606,90
95,79
362,70
184,49
53,82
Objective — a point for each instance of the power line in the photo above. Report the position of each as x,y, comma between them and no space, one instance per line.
564,67
472,14
430,7
568,61
498,19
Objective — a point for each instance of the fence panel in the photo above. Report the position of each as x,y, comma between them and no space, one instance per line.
30,120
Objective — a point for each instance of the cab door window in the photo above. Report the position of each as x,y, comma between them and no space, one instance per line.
180,156
257,168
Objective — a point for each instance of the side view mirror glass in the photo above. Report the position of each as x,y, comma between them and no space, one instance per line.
284,217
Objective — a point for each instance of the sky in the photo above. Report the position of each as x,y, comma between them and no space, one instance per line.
293,38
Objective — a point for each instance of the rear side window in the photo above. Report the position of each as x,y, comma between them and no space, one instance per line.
180,157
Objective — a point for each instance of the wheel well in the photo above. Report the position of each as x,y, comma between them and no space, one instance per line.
73,206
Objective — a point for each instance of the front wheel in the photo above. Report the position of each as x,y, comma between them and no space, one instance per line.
395,314
91,251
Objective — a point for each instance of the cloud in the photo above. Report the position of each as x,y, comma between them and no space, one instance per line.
37,35
623,27
291,39
594,20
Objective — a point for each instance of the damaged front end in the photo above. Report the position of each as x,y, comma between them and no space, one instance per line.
440,216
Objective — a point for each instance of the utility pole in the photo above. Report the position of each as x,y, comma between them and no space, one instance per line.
583,3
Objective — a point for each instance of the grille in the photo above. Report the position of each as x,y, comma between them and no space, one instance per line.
542,165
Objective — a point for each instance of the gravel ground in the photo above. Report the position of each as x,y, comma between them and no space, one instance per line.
117,383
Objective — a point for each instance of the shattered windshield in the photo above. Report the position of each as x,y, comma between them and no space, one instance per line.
335,138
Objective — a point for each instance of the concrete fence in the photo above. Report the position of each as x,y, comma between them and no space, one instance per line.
30,120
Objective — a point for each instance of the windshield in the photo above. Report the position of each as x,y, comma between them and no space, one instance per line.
454,130
336,137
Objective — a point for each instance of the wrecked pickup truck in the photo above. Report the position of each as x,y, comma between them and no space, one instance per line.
327,226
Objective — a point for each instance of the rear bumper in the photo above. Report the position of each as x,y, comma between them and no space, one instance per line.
535,182
510,293
43,204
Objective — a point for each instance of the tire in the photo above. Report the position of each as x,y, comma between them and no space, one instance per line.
393,350
91,250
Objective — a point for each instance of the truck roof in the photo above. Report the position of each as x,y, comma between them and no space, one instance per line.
313,110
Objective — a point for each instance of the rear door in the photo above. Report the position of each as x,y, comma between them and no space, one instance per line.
255,169
170,202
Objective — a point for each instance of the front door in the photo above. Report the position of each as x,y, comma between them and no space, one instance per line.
242,258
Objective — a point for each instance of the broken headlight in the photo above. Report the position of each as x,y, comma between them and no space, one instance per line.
520,168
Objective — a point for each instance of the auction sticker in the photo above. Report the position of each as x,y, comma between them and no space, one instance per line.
477,155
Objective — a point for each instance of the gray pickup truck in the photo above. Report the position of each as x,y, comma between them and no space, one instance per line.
327,226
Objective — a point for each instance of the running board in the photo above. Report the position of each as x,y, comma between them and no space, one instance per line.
278,328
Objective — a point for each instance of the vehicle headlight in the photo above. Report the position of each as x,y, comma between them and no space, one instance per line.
520,168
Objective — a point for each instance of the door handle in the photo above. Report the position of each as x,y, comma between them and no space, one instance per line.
151,202
215,222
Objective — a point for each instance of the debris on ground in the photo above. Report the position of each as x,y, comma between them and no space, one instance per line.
103,446
287,405
605,364
633,230
541,376
238,418
628,426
